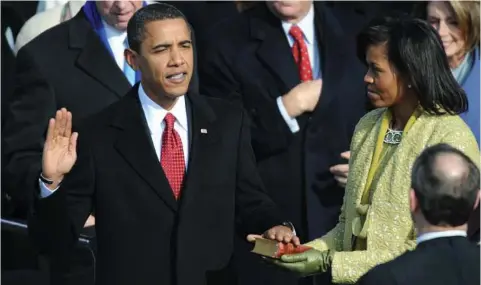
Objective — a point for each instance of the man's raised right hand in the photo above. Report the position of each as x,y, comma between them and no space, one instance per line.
59,151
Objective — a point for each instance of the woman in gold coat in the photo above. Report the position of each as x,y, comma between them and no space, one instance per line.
418,102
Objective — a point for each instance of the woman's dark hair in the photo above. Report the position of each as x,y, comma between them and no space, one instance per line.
416,52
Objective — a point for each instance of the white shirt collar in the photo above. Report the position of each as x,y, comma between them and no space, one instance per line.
155,114
434,235
306,25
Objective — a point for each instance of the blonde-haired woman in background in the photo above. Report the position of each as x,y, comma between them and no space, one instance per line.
457,23
458,26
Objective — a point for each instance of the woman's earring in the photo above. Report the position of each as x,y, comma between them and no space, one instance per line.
409,86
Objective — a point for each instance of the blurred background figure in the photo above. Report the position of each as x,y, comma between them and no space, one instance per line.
354,15
79,65
24,9
444,190
45,5
458,25
12,22
43,21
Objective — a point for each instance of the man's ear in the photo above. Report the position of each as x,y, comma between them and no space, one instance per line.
413,201
132,58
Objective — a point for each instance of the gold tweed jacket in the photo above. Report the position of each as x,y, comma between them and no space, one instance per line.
388,225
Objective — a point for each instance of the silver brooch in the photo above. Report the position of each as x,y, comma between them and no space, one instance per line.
393,137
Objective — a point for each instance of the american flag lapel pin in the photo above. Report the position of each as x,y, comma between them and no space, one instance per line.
203,131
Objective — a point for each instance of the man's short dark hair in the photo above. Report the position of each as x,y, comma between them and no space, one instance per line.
443,200
145,15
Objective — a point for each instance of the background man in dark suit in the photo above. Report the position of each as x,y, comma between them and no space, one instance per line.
74,65
78,65
445,190
170,221
302,117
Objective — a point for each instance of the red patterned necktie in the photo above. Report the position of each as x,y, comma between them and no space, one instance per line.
300,53
172,156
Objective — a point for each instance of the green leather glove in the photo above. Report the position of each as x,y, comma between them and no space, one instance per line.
307,263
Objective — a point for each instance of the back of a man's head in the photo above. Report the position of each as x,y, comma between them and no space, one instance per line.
446,184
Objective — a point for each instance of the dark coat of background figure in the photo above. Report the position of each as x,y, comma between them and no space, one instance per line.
24,9
144,235
13,21
250,61
473,226
19,261
447,261
355,15
66,66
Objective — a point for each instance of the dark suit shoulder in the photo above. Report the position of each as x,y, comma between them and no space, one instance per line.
387,273
57,38
50,52
431,261
410,259
222,104
47,41
102,119
441,247
51,34
227,112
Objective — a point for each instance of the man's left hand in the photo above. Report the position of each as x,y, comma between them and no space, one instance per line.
279,233
306,263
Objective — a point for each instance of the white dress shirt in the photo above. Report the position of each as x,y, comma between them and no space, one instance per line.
117,41
154,115
434,235
308,29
